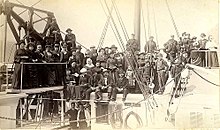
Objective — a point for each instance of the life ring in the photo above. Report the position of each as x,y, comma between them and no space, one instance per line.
138,118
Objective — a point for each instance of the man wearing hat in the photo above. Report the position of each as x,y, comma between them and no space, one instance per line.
111,61
107,51
93,54
150,46
54,32
121,86
162,67
80,55
113,49
107,84
97,78
132,44
102,57
202,42
70,39
170,48
56,52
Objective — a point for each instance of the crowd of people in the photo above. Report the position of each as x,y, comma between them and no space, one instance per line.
105,70
57,62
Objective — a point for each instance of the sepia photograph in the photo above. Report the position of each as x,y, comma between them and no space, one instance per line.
109,64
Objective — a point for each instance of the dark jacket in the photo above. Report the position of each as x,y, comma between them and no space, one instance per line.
85,81
122,82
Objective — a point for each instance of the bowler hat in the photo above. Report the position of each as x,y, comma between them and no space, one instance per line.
113,46
68,30
92,47
202,35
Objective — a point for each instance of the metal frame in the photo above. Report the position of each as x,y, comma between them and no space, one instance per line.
7,7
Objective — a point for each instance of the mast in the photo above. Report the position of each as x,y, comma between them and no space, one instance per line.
137,22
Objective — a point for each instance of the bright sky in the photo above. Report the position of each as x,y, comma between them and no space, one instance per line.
87,19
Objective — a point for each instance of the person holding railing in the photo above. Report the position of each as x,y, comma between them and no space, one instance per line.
32,69
20,56
42,78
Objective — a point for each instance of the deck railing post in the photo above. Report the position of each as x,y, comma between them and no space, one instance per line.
21,113
22,67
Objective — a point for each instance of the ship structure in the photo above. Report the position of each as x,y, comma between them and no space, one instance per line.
52,84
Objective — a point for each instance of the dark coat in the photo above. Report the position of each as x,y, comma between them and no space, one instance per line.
150,47
122,82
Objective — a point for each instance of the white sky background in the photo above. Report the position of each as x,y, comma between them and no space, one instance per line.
87,19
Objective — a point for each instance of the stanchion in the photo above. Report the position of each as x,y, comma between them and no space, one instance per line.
62,111
22,67
21,113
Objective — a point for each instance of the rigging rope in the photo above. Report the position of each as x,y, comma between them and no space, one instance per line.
102,38
145,32
123,49
205,78
174,24
148,19
155,26
120,20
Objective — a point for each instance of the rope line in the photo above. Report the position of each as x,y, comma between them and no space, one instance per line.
171,15
155,25
123,49
120,21
145,32
205,78
102,38
148,18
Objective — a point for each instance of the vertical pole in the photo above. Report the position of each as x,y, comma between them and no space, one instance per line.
7,75
137,22
27,112
5,39
206,58
62,109
22,67
21,112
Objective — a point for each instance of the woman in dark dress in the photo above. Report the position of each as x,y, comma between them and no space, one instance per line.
49,58
20,57
32,69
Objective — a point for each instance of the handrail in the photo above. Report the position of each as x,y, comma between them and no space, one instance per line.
204,50
31,63
51,63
